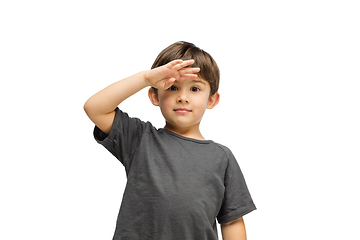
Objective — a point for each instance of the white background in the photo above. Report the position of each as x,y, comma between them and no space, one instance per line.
289,109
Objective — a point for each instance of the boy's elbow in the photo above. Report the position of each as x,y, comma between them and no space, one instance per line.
88,107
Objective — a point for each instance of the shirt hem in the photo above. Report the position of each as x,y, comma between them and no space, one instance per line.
238,213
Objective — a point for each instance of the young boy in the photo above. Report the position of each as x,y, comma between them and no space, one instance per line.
178,183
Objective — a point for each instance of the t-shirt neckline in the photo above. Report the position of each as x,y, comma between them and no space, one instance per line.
186,138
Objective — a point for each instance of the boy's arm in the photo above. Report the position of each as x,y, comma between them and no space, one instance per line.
100,108
234,230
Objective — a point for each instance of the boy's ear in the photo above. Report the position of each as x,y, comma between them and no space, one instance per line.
154,98
213,100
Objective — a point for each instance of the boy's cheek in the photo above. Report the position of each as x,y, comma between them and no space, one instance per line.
165,101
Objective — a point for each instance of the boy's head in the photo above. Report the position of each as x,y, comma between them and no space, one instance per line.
209,71
184,103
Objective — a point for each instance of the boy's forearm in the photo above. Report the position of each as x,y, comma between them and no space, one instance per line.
234,230
109,98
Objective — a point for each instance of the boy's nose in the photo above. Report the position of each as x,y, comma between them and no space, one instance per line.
182,99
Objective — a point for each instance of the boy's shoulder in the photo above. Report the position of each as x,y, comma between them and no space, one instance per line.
223,148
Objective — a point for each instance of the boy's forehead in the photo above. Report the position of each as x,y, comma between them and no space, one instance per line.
196,80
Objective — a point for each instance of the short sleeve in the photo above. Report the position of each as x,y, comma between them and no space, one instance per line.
124,136
237,199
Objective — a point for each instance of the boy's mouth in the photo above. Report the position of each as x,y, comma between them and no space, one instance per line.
182,110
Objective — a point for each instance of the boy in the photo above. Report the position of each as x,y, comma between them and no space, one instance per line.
178,183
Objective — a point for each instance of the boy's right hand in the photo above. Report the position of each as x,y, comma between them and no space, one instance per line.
164,76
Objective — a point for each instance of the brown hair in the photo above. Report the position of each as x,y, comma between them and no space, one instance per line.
209,71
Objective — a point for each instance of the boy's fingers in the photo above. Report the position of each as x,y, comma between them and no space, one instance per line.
188,62
188,77
176,62
184,64
189,71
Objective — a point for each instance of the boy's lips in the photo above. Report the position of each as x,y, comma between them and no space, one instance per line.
182,110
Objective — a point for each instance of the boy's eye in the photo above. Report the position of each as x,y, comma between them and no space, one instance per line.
195,89
173,88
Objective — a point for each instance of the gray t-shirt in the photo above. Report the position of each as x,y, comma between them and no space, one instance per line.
176,186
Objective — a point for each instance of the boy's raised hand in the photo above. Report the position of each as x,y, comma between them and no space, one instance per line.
164,76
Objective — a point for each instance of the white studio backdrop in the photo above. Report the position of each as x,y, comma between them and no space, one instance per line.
289,109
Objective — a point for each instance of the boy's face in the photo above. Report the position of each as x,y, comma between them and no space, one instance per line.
184,103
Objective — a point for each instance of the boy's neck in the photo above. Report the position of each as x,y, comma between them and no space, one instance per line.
190,132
